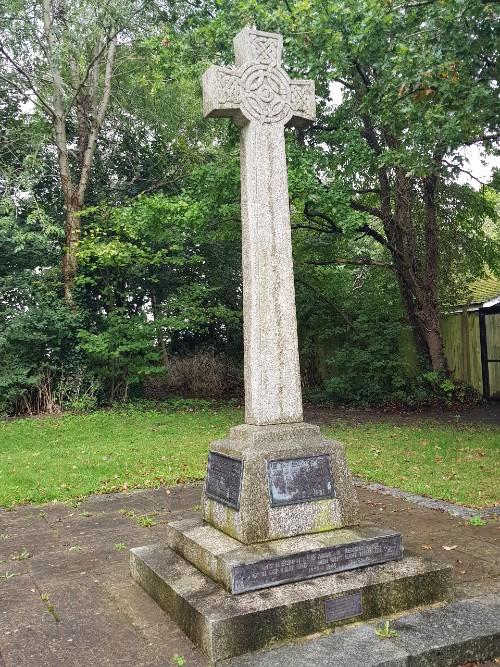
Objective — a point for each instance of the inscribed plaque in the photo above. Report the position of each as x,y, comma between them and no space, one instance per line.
299,480
346,606
223,481
277,570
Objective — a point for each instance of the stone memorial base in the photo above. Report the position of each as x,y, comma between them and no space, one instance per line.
224,625
241,568
270,482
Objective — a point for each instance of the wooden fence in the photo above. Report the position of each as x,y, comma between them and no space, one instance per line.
462,347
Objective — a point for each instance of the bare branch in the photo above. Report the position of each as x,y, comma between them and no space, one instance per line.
97,122
363,75
483,137
344,83
464,171
311,214
98,52
366,191
28,79
315,228
320,128
377,236
362,208
20,90
354,261
91,67
58,114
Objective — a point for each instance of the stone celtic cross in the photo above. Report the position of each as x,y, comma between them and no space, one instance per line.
261,99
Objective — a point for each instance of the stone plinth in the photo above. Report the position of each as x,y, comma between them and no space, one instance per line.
242,568
225,625
271,482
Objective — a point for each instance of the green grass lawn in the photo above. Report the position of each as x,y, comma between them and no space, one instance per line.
60,458
456,463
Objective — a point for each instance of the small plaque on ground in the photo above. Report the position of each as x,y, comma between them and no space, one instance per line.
223,481
309,564
299,480
346,606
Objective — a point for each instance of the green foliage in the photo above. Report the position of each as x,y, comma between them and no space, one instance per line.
160,261
385,631
477,521
353,332
439,387
121,355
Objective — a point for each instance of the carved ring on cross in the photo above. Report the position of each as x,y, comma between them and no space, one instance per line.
266,93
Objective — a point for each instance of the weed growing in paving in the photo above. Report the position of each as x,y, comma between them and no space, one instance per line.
21,555
144,520
50,607
477,521
385,631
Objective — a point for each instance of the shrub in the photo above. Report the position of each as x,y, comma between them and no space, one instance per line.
201,375
122,354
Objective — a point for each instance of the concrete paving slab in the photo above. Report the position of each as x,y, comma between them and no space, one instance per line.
40,643
459,632
444,636
34,541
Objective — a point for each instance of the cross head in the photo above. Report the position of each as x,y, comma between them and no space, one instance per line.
258,90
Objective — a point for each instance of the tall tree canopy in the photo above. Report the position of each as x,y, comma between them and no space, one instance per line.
120,203
418,82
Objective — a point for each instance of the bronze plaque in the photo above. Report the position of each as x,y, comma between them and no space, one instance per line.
299,480
223,482
309,564
346,606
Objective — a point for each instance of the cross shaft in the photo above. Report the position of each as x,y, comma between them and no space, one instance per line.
261,100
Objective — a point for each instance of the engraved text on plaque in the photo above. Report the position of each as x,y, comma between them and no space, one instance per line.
223,482
300,480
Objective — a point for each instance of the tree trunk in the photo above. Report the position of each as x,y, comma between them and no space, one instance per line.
69,264
412,317
431,315
418,282
159,333
435,344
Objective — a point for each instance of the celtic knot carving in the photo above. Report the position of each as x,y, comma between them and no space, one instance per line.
265,50
257,88
265,94
299,98
229,89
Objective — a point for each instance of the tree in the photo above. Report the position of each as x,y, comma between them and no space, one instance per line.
418,85
417,81
62,56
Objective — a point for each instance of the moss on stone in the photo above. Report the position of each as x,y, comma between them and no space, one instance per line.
323,520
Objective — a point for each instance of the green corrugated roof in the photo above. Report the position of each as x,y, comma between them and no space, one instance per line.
483,290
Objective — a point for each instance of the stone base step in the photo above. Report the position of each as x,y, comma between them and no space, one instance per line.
463,632
241,568
225,625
